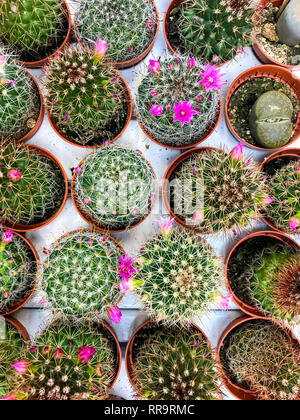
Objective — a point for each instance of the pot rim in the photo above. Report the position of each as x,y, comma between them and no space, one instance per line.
19,326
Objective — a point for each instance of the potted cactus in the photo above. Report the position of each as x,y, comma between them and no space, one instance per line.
214,31
35,29
21,102
178,102
129,26
213,191
81,276
114,188
259,361
18,269
33,187
88,103
250,112
165,363
68,362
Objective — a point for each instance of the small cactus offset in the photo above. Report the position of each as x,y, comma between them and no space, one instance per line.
84,95
17,270
178,101
129,26
218,192
214,30
174,364
81,275
31,185
115,188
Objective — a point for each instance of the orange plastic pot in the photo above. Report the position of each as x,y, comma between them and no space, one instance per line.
119,354
29,228
293,153
272,72
20,327
122,65
248,309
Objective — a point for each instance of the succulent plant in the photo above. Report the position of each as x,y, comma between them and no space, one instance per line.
213,30
32,187
17,270
115,188
218,192
84,95
259,356
288,25
129,26
178,100
175,364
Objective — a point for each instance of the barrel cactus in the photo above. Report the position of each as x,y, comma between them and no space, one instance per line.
178,101
129,26
115,188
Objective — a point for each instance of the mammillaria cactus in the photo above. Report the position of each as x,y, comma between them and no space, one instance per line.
213,30
175,364
114,188
178,101
32,186
85,96
129,26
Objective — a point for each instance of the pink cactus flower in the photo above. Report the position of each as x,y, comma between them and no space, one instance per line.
114,315
150,24
99,370
125,268
198,217
54,100
14,175
215,59
154,66
183,112
85,353
42,301
191,63
7,236
101,47
2,59
125,286
223,301
294,223
78,170
20,367
211,78
166,225
196,344
58,354
12,83
240,50
268,200
237,152
168,107
198,98
156,110
9,397
170,66
153,93
6,295
66,117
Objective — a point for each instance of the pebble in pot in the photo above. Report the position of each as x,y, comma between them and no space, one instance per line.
288,25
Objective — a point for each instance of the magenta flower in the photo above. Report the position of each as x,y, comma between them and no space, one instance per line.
183,112
126,270
154,66
166,226
196,344
114,315
237,152
101,47
224,301
7,236
9,397
125,286
198,217
85,353
149,24
191,63
14,175
20,367
156,110
6,295
58,354
211,78
153,93
2,59
66,117
267,200
240,50
11,82
170,66
43,300
78,170
294,223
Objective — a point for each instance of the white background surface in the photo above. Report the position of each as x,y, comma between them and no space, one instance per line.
32,316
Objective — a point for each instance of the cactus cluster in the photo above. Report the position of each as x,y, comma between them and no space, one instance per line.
218,192
175,364
175,105
17,270
85,96
129,26
115,188
31,185
214,30
259,356
34,28
80,275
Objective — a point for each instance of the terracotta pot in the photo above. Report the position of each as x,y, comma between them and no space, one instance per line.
271,72
29,228
248,309
294,153
205,136
20,327
164,191
119,354
128,100
235,390
259,51
90,220
43,62
122,65
22,302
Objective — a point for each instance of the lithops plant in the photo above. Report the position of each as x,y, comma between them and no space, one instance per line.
288,25
129,26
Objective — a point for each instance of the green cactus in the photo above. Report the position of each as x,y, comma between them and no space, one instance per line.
213,30
32,187
81,275
259,356
177,81
115,188
128,26
85,96
175,364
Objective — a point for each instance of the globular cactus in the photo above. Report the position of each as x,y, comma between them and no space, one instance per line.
31,185
259,356
84,95
115,187
178,275
17,270
218,192
129,26
213,30
81,275
178,101
175,364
